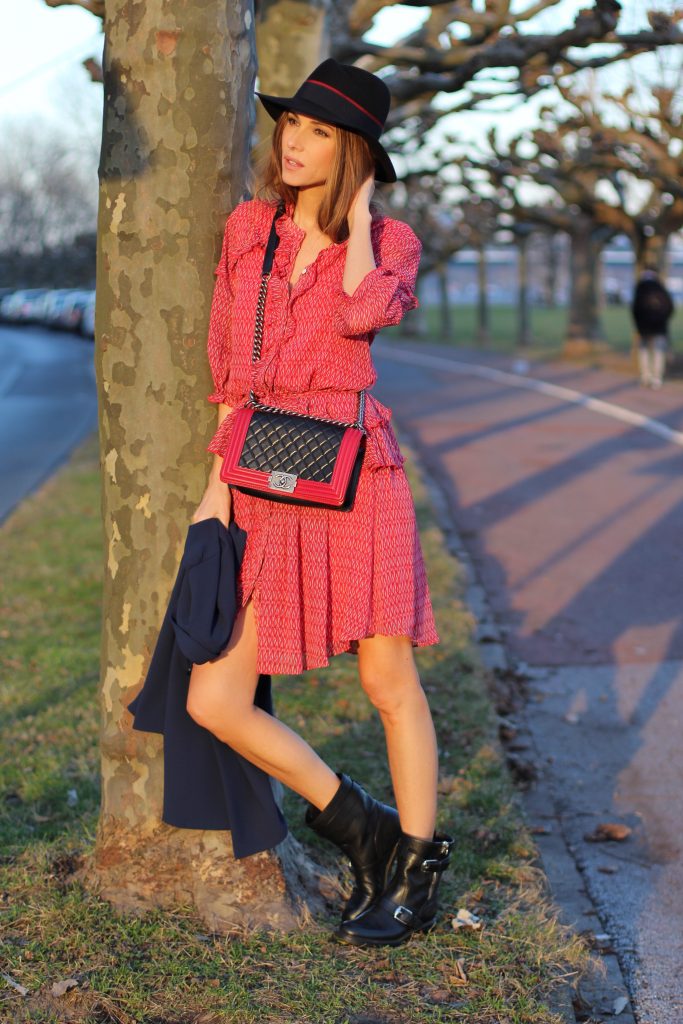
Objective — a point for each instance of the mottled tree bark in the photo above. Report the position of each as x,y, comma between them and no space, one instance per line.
178,111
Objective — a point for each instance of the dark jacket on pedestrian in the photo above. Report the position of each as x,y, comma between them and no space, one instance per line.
207,785
652,306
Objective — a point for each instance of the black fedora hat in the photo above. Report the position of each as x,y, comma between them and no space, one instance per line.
346,96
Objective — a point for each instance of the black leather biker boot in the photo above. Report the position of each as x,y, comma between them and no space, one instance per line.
409,902
367,831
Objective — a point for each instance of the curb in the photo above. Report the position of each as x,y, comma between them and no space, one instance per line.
598,994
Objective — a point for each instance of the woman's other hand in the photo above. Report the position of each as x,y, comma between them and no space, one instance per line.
361,200
217,501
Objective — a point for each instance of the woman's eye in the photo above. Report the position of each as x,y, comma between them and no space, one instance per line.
293,120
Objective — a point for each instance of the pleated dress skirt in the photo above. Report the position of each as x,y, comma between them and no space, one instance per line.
322,579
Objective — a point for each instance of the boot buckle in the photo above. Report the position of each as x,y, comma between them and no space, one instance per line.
403,914
439,864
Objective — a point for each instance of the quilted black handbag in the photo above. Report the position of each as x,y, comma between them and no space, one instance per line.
287,456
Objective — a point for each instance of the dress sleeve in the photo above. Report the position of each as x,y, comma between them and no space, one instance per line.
218,344
385,293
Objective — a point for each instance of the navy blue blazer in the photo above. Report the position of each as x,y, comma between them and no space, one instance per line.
207,784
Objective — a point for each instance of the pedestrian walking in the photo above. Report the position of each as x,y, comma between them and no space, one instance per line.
652,308
319,581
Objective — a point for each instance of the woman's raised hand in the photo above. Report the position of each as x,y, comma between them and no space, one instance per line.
361,200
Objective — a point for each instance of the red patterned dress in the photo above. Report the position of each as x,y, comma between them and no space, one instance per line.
320,579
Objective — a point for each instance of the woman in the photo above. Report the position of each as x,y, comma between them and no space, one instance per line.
315,582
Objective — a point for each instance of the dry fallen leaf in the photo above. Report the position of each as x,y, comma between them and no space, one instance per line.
608,831
464,919
436,995
619,1005
459,977
61,987
602,942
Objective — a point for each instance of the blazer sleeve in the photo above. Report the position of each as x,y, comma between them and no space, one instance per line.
386,293
219,339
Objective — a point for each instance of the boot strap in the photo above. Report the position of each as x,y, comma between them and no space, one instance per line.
438,864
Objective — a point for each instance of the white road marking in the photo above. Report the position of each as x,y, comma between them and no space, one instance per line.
516,380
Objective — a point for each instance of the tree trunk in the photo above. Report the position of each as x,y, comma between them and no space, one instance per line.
483,317
584,328
292,38
444,302
650,251
552,266
178,111
523,317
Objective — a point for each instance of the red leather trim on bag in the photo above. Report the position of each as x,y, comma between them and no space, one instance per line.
331,494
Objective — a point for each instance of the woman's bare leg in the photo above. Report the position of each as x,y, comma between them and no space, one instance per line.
390,678
221,698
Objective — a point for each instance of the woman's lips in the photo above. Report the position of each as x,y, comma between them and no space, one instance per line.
293,165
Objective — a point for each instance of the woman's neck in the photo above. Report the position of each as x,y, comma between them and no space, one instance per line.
306,208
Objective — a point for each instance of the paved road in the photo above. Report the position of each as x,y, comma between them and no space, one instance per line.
48,404
571,510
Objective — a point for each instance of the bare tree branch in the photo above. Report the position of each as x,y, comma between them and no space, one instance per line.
95,7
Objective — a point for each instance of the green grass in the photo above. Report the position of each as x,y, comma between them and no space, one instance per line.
162,967
547,326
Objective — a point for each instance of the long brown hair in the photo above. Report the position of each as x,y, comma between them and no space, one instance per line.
352,163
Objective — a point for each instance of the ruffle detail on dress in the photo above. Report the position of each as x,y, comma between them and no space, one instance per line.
382,446
219,442
244,236
383,449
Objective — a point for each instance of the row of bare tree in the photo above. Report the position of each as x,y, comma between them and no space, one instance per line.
610,165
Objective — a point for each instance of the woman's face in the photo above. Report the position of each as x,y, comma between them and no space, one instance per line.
308,148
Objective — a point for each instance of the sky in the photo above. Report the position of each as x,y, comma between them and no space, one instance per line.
41,78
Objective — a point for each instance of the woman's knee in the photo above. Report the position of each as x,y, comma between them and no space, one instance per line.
217,704
389,676
222,691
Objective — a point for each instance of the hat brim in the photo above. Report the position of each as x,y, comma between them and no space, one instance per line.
274,105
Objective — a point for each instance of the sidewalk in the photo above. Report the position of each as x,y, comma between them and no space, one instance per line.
571,514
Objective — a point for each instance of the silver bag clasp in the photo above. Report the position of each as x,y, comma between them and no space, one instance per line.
278,481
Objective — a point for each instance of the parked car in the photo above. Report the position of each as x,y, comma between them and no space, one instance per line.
22,306
88,318
53,305
63,308
4,292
